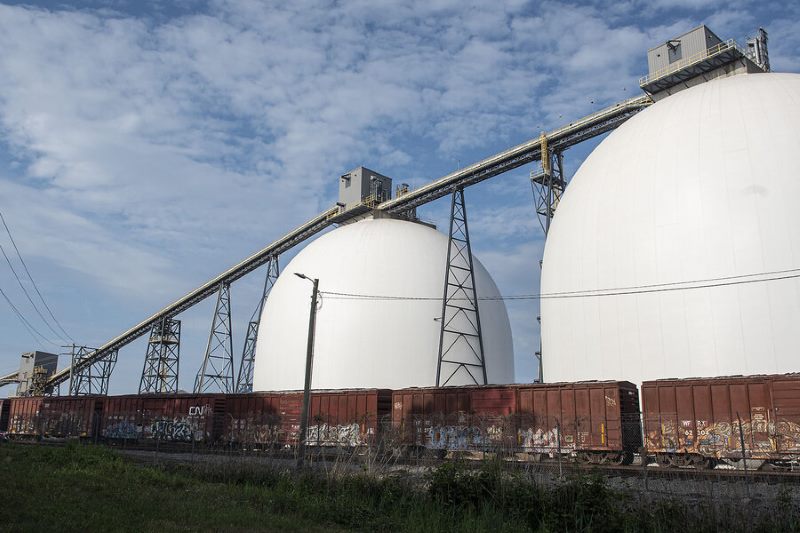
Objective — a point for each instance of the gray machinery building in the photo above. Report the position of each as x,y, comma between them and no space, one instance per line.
364,186
699,56
35,368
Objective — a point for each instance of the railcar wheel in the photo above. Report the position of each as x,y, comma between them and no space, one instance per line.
664,460
704,463
611,459
627,458
583,458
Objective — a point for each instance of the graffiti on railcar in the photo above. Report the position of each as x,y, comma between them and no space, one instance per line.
762,437
786,436
337,435
540,440
66,425
23,425
122,430
261,430
474,434
176,430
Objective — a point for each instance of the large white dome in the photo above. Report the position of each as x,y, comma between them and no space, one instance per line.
703,185
371,343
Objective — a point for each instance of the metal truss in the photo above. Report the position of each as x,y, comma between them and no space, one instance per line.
217,369
92,378
575,132
161,363
460,339
287,242
548,184
244,383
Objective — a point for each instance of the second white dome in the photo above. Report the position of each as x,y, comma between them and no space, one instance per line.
364,343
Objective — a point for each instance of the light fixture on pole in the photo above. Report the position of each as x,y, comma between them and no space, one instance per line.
312,319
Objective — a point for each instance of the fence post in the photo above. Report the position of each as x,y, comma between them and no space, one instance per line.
744,459
643,452
558,447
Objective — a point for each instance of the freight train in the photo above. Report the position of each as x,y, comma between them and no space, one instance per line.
683,422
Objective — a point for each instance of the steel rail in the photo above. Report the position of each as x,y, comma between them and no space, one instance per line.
559,139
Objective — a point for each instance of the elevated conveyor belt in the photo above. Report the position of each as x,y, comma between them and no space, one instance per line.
310,228
9,379
559,139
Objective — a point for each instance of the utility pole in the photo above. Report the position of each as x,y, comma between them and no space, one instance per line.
312,320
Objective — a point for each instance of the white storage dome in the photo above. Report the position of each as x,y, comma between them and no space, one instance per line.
704,185
371,343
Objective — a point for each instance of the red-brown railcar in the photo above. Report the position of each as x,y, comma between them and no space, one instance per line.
348,418
595,421
345,418
700,421
446,419
63,417
256,420
178,418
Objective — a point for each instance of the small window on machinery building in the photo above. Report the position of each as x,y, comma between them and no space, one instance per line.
674,50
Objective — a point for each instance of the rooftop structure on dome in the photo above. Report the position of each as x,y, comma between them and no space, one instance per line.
699,56
360,191
364,186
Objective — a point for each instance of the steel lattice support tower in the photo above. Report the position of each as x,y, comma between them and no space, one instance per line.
244,383
161,363
217,368
94,378
460,319
548,185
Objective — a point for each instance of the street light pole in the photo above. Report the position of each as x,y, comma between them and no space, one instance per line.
312,319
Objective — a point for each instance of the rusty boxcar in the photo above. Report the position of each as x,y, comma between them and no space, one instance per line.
596,421
593,421
60,417
476,419
701,421
175,418
343,418
348,418
256,420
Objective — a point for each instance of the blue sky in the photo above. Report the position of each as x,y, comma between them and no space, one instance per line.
146,146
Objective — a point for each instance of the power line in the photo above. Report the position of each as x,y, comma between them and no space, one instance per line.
25,266
32,330
592,293
28,296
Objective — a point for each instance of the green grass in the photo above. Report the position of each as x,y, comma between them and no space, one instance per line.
88,488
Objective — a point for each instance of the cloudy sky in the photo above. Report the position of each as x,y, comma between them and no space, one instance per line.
145,146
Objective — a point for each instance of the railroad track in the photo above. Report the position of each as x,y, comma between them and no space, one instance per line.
566,468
